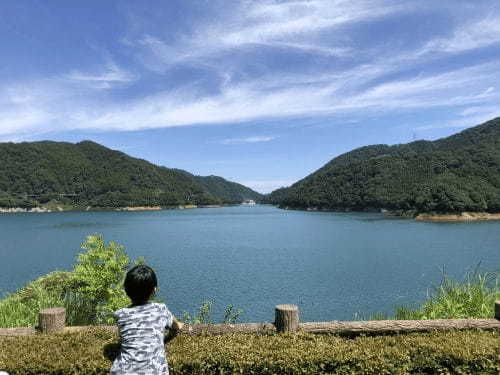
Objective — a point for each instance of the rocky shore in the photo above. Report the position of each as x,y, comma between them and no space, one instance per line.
462,217
140,208
14,210
89,208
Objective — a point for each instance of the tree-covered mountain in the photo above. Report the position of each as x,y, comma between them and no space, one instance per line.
454,174
88,174
227,191
230,192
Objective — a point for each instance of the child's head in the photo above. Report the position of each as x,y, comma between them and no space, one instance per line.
140,284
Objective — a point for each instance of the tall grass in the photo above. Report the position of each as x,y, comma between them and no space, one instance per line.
21,308
472,297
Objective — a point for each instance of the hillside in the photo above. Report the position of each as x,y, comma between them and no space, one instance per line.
88,174
230,192
454,174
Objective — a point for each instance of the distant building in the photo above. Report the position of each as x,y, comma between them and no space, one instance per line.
248,202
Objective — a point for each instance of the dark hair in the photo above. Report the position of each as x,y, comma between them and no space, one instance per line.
140,283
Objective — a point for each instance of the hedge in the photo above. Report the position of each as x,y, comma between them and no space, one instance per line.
88,352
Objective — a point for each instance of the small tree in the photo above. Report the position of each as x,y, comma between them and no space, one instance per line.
98,276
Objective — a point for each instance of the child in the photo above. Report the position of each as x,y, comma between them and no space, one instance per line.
141,327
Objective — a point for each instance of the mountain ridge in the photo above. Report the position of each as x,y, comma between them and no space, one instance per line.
87,174
449,175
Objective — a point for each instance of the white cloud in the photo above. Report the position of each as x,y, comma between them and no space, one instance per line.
20,121
111,75
361,87
255,139
455,88
479,33
55,106
476,110
269,22
294,25
464,122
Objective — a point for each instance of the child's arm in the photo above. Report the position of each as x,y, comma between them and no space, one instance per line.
174,330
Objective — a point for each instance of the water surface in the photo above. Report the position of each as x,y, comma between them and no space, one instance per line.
333,265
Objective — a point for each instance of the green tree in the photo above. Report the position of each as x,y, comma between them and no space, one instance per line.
98,276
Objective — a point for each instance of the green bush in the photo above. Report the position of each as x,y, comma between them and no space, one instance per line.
90,293
98,276
85,352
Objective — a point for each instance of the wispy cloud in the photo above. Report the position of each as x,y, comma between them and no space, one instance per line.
293,25
478,33
239,102
106,78
255,139
269,22
334,76
474,118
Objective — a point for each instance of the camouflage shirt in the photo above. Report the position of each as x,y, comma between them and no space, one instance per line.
141,331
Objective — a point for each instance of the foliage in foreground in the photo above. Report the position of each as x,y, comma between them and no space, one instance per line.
204,315
90,292
466,352
472,297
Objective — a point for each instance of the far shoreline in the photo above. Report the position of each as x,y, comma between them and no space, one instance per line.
434,217
16,210
431,217
458,217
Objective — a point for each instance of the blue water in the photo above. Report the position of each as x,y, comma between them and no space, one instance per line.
333,265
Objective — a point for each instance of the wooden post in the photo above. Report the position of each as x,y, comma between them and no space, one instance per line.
52,320
497,310
286,318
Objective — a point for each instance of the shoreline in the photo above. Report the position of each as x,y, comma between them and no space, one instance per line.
16,210
424,217
461,217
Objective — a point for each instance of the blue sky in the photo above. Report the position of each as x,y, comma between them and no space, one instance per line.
259,92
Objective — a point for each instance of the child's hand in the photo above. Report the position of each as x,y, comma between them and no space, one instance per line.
177,325
174,330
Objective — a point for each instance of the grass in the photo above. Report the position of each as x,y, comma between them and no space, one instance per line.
472,297
20,309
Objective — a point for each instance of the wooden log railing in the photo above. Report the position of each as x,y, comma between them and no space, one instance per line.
286,320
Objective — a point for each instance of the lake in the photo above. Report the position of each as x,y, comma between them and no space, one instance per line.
335,266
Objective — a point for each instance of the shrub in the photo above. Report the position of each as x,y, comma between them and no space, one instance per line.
98,276
90,293
85,352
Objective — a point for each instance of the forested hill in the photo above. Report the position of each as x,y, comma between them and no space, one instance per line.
454,174
88,174
228,191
